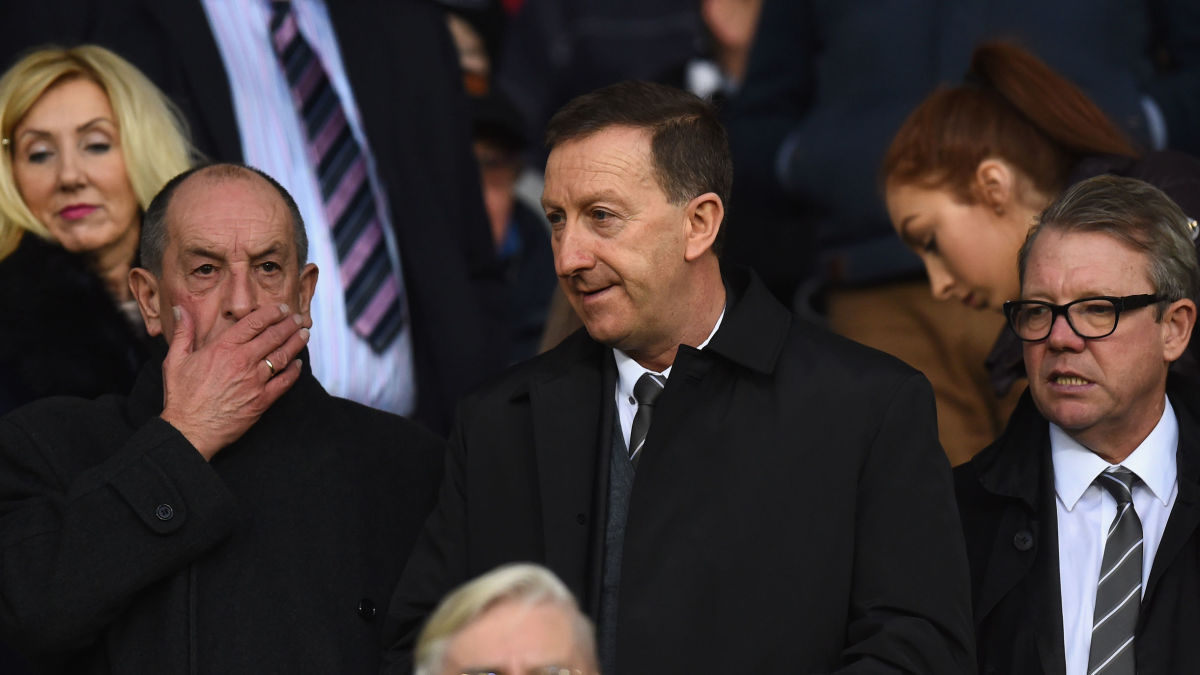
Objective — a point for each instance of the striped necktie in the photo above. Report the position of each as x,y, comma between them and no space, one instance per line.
374,296
646,390
1119,590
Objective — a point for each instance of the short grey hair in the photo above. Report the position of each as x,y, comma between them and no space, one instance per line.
1136,214
154,224
525,583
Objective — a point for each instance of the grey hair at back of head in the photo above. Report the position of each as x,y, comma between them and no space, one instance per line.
525,583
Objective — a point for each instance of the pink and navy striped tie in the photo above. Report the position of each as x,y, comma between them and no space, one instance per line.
373,292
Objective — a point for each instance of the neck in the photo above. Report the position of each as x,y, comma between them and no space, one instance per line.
705,300
112,263
1116,445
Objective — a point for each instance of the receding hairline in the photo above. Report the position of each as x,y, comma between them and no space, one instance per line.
221,174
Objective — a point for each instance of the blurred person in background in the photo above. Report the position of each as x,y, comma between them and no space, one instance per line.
970,169
87,142
518,618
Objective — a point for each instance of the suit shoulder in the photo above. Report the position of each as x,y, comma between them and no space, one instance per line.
369,422
517,378
838,356
62,422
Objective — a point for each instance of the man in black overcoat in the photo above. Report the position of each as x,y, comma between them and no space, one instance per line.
789,509
1081,519
228,516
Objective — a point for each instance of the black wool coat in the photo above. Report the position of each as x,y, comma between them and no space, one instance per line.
792,511
125,552
1006,498
61,332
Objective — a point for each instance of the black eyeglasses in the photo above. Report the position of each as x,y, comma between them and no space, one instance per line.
1090,318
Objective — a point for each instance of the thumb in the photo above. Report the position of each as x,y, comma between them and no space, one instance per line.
183,337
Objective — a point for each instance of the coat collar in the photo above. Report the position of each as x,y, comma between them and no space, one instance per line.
1185,515
1012,466
756,325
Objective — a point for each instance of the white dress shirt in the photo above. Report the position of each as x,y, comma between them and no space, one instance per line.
274,141
628,373
1085,512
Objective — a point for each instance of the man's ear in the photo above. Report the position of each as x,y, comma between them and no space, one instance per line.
145,290
308,286
995,184
1177,323
705,215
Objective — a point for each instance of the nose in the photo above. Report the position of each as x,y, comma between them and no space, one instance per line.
572,250
240,294
71,174
1062,337
941,282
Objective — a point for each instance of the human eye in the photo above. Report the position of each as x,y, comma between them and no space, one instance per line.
205,270
600,215
98,147
1095,308
38,154
1035,312
929,245
270,267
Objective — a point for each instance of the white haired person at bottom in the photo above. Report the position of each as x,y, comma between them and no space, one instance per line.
518,619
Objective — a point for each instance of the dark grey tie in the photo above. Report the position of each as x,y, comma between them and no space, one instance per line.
1119,590
647,389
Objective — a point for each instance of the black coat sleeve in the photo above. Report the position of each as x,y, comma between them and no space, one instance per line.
437,563
79,543
910,605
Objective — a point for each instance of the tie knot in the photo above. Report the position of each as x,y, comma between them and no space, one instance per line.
1119,483
648,387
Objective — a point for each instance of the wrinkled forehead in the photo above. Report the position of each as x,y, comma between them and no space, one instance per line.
226,195
1093,260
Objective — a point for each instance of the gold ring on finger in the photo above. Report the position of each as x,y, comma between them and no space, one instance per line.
270,366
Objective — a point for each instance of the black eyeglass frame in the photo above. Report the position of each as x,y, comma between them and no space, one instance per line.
1120,304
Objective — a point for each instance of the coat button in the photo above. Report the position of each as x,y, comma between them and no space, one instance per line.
366,609
1023,540
164,512
581,519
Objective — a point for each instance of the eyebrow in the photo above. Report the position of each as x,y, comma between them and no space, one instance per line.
592,198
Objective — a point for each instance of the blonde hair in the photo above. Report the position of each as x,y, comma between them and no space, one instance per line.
153,136
525,583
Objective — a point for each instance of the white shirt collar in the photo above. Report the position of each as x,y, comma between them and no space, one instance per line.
628,370
1075,467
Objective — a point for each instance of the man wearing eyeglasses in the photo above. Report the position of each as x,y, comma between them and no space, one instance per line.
1081,519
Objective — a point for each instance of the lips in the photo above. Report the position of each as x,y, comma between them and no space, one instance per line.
76,211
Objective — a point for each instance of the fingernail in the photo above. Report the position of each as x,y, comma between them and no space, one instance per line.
304,334
283,308
298,319
177,313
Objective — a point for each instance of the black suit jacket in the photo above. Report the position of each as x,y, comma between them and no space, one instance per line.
792,511
125,552
404,73
1006,497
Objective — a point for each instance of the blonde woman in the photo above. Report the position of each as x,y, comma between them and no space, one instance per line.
86,142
